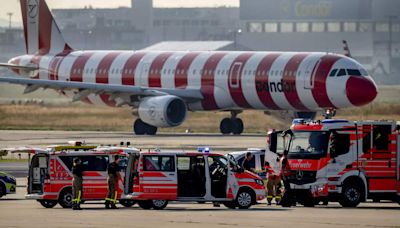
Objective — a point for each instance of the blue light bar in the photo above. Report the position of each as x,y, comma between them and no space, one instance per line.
331,121
203,149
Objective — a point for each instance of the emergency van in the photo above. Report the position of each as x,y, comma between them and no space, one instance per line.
340,160
50,176
154,178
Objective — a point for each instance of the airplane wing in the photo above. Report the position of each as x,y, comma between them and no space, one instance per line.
28,150
85,89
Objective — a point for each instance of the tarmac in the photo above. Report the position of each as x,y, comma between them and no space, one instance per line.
15,211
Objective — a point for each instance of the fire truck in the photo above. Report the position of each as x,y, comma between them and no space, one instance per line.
340,160
50,177
155,178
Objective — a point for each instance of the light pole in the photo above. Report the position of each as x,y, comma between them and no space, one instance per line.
391,18
235,34
10,16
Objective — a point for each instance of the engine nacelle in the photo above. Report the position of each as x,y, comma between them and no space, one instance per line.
162,111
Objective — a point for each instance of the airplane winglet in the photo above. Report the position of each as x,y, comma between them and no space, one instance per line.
346,49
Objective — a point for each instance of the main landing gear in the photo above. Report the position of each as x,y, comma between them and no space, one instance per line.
232,125
142,128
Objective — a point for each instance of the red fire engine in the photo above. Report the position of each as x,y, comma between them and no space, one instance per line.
344,161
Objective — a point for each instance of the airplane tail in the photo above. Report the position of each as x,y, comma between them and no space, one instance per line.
42,35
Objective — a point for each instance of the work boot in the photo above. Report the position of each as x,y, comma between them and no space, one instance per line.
107,205
113,206
269,203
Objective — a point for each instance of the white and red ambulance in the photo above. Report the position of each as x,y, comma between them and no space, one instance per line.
50,177
154,178
344,161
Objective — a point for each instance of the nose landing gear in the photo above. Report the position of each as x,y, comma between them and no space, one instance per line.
232,125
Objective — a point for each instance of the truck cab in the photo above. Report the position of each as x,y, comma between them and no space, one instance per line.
344,161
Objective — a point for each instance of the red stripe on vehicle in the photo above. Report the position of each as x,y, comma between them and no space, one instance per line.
130,65
262,81
45,25
181,79
156,68
207,81
289,81
235,77
78,66
104,67
319,91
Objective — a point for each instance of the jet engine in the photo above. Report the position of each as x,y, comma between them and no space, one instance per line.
162,111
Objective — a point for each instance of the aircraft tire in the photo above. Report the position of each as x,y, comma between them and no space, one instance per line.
226,126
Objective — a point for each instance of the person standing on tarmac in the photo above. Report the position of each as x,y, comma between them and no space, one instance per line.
273,184
77,182
113,177
285,172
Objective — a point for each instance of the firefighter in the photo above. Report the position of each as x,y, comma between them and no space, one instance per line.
113,177
285,172
77,182
272,184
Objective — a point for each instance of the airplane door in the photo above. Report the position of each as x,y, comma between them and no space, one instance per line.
309,74
234,75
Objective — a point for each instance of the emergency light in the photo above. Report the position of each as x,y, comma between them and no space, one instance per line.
203,149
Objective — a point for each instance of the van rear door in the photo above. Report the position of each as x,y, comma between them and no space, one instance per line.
38,172
131,172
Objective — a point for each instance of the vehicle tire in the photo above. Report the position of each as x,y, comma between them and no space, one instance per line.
2,190
159,204
127,203
65,198
48,203
237,128
244,199
139,127
230,205
351,195
145,204
226,126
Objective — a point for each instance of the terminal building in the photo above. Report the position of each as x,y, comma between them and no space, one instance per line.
371,27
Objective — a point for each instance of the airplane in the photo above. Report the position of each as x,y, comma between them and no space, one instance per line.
164,85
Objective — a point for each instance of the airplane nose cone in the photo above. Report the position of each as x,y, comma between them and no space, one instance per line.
360,90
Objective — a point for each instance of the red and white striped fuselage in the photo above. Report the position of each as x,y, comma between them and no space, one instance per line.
295,81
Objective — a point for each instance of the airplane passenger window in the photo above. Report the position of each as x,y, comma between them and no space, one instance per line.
342,72
333,73
353,72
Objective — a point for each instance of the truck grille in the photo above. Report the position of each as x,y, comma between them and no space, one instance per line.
300,177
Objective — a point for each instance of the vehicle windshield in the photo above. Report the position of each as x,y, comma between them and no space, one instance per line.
311,145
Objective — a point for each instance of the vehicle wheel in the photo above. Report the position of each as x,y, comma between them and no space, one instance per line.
127,203
139,127
230,205
48,203
244,199
150,130
226,126
65,199
145,204
2,190
159,204
237,128
351,196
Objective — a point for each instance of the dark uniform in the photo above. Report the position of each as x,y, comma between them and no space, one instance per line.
77,182
113,176
285,173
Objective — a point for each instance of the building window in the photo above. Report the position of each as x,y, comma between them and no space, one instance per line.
318,27
333,27
382,27
395,27
255,27
349,27
271,27
302,27
365,27
286,27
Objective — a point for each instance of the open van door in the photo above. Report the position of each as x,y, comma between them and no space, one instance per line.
131,173
232,184
38,172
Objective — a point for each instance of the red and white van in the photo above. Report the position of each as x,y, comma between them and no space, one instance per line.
154,178
50,177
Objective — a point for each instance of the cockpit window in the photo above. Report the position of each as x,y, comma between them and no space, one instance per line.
333,73
342,72
353,72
